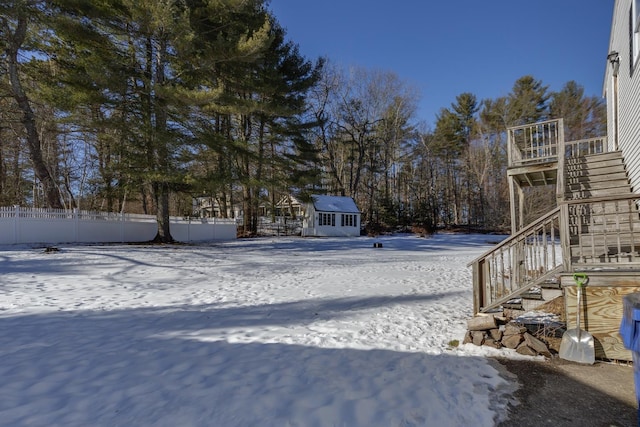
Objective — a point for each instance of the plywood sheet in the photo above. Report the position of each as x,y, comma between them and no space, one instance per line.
601,314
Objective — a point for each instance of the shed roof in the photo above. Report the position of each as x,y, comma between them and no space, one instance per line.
344,204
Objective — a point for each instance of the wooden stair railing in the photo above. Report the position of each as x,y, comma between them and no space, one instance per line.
603,232
599,233
595,225
522,261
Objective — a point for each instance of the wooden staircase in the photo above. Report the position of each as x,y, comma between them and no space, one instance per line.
601,232
596,175
604,230
594,227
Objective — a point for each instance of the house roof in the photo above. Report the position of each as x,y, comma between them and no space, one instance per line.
334,204
284,201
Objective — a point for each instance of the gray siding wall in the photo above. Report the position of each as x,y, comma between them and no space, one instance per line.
628,93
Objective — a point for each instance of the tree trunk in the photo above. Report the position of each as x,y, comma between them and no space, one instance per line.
52,195
161,195
160,187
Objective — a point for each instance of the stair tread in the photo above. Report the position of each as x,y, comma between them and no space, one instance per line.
595,157
605,177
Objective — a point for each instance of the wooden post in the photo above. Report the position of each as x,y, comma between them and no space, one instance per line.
477,286
520,207
512,197
565,236
560,174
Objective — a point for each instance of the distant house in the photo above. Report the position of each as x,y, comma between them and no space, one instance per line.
288,206
210,207
331,216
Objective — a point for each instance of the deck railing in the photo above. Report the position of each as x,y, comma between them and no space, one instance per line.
535,143
585,147
541,142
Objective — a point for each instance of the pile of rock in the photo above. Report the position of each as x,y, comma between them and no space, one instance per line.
500,332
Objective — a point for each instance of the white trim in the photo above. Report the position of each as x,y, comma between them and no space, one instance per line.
635,34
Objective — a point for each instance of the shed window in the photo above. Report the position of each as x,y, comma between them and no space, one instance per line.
327,219
349,220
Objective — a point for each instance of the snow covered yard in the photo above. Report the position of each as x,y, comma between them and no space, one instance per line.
264,332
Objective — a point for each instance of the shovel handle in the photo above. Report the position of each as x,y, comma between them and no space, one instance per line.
580,278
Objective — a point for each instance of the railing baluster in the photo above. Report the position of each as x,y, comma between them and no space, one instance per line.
617,221
630,206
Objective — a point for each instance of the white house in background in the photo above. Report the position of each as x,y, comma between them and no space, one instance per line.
211,207
331,216
288,206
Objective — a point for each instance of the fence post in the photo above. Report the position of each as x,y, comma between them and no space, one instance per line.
76,225
16,225
121,227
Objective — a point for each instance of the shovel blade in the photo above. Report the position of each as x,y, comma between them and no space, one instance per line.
577,346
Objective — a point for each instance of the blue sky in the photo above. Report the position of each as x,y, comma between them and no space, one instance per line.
445,48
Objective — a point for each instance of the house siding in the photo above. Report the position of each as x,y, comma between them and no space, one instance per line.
628,93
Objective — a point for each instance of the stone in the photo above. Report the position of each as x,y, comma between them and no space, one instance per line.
467,338
536,344
525,350
490,342
496,334
512,341
481,323
514,329
477,337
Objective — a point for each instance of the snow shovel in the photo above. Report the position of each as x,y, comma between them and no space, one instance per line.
576,344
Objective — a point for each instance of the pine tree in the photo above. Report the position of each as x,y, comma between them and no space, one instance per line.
18,25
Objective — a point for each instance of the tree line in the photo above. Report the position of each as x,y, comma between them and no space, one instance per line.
144,105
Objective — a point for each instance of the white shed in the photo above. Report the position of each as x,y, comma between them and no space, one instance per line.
331,216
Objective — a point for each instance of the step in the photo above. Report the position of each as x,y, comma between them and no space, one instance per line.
588,158
585,250
584,194
594,236
595,168
609,207
550,284
532,295
513,305
611,260
618,185
619,219
608,159
628,238
611,175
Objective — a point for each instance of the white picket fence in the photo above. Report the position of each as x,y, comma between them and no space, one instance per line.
26,225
